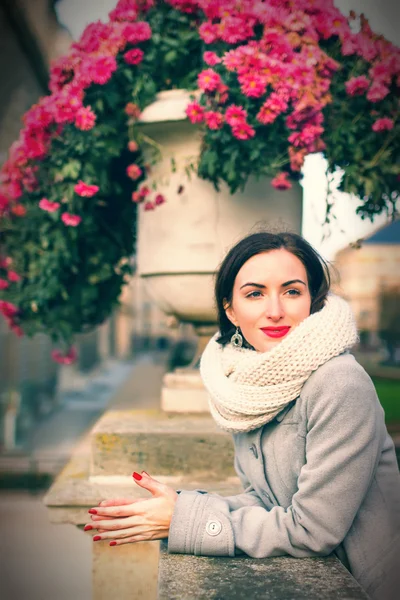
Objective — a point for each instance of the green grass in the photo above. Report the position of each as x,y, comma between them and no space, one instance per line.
388,391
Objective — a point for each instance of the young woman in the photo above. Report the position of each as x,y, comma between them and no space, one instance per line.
311,447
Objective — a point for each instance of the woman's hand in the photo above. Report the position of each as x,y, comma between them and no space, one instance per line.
125,520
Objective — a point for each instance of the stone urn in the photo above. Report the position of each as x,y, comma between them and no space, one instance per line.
182,242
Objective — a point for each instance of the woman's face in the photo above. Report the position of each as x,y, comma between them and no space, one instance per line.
270,298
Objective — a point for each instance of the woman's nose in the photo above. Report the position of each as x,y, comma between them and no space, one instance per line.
274,308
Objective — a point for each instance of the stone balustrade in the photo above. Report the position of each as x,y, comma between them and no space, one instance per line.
180,450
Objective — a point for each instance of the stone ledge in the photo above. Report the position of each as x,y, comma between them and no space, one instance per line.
160,443
75,490
184,577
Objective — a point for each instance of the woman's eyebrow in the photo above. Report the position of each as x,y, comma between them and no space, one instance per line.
258,285
292,281
262,287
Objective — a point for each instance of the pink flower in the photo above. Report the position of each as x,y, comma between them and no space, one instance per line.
272,107
133,146
252,84
5,262
195,112
243,131
134,171
102,68
4,284
186,6
222,93
349,46
280,182
306,137
14,190
8,309
134,57
383,124
149,206
366,47
297,158
144,191
134,33
377,91
232,60
85,118
70,220
85,190
381,71
235,115
209,32
65,359
265,115
214,119
4,203
132,110
13,276
18,210
209,80
211,59
159,199
126,10
357,85
92,37
48,206
235,29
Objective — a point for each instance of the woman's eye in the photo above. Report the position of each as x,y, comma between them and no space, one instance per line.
293,292
255,294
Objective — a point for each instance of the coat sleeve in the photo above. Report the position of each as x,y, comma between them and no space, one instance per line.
249,497
342,450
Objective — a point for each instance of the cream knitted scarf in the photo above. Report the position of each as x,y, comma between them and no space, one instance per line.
248,388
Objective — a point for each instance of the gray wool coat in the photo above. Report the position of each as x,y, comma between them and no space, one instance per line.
321,477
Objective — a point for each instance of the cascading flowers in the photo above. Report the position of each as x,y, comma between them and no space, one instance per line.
279,79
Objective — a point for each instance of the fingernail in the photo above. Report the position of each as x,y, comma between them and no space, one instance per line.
137,476
113,543
92,511
87,528
96,538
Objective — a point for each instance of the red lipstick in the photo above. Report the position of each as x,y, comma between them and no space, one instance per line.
275,332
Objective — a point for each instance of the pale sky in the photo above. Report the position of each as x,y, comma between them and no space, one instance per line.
384,18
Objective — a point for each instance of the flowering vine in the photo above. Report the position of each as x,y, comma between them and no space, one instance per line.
279,79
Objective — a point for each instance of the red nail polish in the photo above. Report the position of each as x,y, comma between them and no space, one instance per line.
87,528
96,538
137,476
113,543
92,511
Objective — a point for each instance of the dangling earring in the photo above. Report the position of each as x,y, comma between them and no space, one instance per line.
237,339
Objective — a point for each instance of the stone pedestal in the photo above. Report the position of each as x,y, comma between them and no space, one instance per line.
183,392
131,573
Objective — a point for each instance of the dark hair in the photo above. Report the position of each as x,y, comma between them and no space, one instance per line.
319,280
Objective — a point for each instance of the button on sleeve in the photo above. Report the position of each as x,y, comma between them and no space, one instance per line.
213,527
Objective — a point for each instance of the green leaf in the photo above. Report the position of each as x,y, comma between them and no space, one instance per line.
170,56
71,169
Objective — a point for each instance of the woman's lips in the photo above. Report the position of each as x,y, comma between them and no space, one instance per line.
275,332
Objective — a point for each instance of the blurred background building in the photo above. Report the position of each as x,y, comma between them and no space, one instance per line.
370,279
